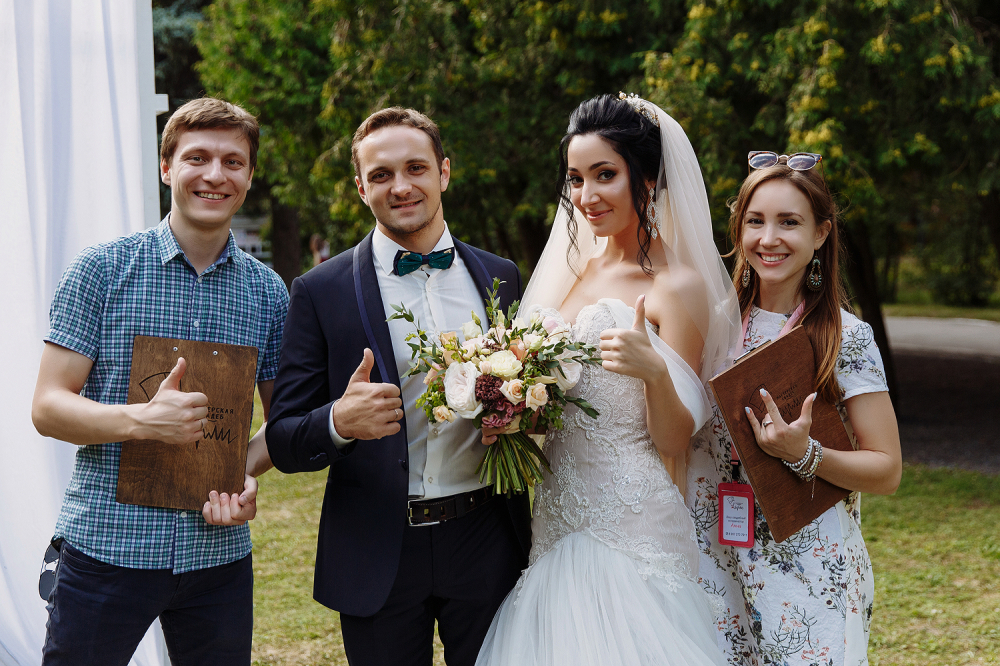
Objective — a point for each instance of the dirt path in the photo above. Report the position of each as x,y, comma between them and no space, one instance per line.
950,410
949,385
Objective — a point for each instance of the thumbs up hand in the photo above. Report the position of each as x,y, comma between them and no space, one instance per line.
172,416
367,410
628,351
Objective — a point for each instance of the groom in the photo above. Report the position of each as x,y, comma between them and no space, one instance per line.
408,534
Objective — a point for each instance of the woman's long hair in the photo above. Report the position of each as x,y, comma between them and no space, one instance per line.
821,315
632,136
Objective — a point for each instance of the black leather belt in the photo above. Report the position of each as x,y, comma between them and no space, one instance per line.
433,511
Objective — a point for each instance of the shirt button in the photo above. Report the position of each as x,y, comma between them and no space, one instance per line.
184,514
195,323
430,479
199,280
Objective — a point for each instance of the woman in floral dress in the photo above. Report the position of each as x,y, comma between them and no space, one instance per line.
806,600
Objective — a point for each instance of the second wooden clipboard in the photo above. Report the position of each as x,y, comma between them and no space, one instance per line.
152,473
786,367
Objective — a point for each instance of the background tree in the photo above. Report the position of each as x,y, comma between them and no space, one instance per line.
175,55
499,76
900,97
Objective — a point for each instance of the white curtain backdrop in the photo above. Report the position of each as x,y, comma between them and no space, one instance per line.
71,174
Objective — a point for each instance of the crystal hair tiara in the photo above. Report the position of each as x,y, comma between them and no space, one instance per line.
641,106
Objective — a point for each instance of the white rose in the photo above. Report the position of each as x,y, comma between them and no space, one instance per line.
442,413
533,341
473,345
471,330
504,364
460,389
536,397
513,390
571,371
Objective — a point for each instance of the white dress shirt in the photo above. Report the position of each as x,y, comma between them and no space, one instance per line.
443,456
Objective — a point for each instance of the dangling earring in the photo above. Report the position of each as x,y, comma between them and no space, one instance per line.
814,281
745,281
651,215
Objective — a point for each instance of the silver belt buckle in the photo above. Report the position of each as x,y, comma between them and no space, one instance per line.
409,515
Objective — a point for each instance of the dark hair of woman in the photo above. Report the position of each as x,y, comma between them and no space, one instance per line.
633,137
821,314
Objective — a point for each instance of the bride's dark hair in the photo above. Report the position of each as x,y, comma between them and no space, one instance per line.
632,136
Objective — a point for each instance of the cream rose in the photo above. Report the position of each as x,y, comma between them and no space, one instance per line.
513,390
460,389
571,371
533,341
536,397
504,364
471,330
442,414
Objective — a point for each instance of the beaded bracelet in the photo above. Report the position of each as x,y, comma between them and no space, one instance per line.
806,468
804,463
816,461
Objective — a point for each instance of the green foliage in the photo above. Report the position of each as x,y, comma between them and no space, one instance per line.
499,76
960,266
901,98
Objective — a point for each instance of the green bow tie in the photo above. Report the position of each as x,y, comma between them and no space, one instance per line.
407,262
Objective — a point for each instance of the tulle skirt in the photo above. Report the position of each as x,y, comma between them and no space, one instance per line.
584,603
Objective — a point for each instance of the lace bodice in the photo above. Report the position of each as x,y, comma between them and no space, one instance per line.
608,480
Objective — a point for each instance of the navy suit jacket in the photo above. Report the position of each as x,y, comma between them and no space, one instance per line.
336,311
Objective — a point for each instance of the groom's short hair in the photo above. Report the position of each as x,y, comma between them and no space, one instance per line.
397,115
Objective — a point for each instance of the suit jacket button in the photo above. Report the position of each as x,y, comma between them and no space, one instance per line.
405,465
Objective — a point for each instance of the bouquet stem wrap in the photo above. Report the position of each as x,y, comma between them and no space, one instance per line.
513,463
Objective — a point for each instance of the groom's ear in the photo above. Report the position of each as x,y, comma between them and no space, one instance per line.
445,173
361,190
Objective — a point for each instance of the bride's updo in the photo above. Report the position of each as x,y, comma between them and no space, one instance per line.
632,136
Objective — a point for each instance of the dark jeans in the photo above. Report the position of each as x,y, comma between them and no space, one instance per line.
457,573
99,612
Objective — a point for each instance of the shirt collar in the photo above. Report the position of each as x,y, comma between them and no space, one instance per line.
384,248
170,248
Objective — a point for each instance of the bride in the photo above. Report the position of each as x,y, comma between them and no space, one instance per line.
613,566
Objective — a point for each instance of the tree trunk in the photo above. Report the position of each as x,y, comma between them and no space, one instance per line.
864,283
533,235
990,205
286,246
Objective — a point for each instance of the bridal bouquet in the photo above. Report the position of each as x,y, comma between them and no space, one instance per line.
514,377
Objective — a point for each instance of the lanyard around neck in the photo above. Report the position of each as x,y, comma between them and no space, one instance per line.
792,320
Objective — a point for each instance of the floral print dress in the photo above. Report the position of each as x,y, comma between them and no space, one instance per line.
808,600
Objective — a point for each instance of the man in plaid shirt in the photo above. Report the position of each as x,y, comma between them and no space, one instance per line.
121,566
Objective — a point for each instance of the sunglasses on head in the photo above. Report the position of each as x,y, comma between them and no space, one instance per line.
762,159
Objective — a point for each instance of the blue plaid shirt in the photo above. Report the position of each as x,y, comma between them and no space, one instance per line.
144,285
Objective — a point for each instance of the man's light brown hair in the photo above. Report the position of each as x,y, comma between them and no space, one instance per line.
397,115
210,113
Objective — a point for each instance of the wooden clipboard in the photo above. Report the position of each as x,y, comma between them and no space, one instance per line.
786,367
153,473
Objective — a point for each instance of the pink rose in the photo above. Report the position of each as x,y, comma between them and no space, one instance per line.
497,420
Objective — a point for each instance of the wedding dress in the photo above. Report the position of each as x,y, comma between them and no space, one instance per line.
612,575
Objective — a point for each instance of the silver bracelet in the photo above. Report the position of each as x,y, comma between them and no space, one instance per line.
802,464
805,469
816,461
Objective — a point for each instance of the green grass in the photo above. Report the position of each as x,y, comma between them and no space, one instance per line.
935,547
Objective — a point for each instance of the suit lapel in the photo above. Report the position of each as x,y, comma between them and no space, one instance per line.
372,310
477,269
